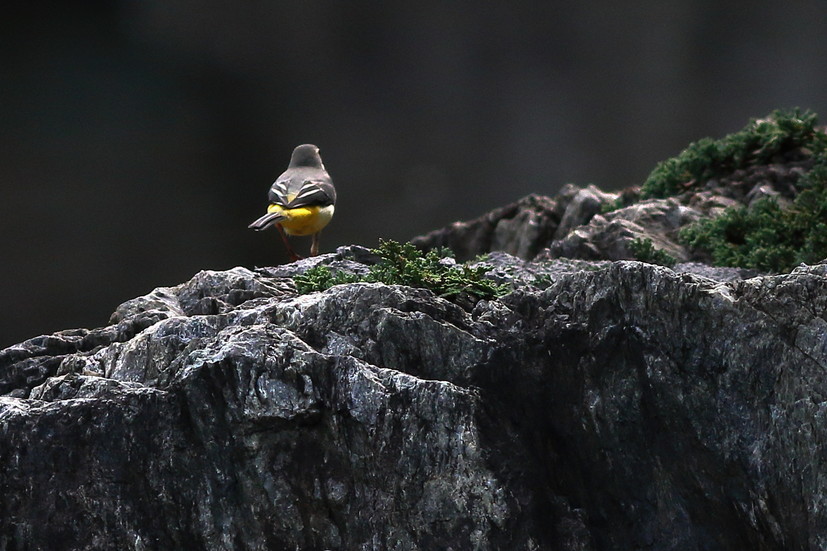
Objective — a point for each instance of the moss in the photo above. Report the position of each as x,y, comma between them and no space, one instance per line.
766,236
319,278
404,264
645,251
783,132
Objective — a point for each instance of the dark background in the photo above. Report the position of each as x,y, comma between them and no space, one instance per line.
139,137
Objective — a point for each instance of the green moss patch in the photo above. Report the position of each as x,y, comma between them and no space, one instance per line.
404,264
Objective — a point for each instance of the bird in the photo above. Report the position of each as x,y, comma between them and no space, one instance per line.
302,199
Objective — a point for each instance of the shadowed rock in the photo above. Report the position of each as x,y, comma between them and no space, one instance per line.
590,224
520,229
599,406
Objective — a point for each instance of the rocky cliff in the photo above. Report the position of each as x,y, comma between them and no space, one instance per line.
599,405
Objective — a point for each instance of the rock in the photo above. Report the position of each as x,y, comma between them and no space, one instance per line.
518,228
581,208
715,273
600,405
608,236
766,191
570,225
776,179
521,229
587,223
710,204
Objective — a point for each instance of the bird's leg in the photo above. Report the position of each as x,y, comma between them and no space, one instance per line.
314,245
293,256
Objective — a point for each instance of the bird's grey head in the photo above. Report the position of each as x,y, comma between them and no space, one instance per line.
306,155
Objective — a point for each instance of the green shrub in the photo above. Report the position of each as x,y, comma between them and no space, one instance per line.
319,278
404,264
756,143
766,236
645,251
611,206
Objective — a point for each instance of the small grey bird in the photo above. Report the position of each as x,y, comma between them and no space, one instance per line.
302,199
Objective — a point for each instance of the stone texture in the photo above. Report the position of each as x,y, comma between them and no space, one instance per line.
584,204
570,225
599,406
522,228
607,236
587,223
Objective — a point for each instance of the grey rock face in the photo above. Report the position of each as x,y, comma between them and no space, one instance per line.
569,225
520,229
583,205
589,224
599,406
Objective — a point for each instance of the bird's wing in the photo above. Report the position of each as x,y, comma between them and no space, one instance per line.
280,192
313,193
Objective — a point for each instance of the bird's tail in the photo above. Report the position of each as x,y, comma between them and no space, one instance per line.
267,220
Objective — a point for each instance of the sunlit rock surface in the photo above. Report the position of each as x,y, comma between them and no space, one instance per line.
599,406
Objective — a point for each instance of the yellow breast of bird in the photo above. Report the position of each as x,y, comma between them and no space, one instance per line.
303,220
